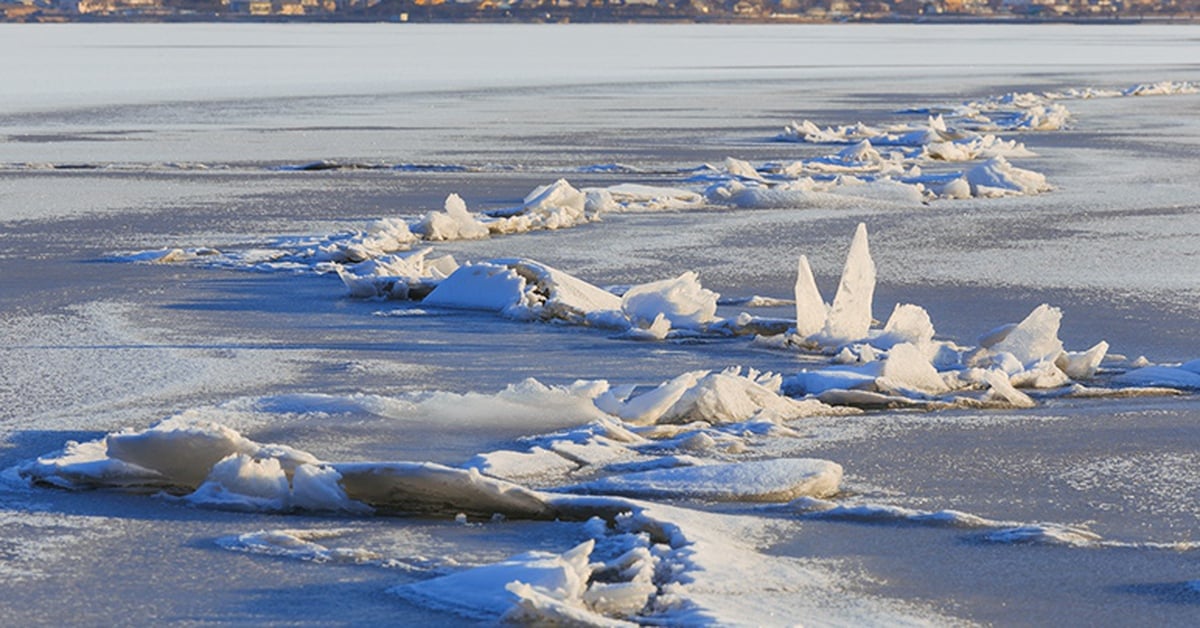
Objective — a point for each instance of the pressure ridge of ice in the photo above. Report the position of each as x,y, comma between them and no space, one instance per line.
638,550
900,364
881,165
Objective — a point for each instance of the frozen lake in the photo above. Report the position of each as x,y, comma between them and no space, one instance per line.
265,142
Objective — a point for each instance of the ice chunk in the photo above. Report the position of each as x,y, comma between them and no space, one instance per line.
730,397
455,223
780,479
555,206
482,286
850,316
741,169
318,488
552,293
908,323
177,455
1082,365
860,152
1000,389
811,308
382,237
649,407
907,367
834,378
240,482
1034,339
84,465
1044,374
997,177
183,452
523,289
681,300
396,276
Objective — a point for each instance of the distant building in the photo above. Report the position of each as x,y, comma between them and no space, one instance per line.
112,7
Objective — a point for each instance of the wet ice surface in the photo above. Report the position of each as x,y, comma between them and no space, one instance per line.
90,347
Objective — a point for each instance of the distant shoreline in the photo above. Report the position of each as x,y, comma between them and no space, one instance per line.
564,16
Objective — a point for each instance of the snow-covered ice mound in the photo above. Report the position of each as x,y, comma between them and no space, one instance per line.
522,289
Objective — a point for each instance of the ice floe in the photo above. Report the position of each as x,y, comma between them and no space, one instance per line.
774,480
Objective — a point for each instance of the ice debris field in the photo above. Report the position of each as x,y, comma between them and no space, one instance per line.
634,458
